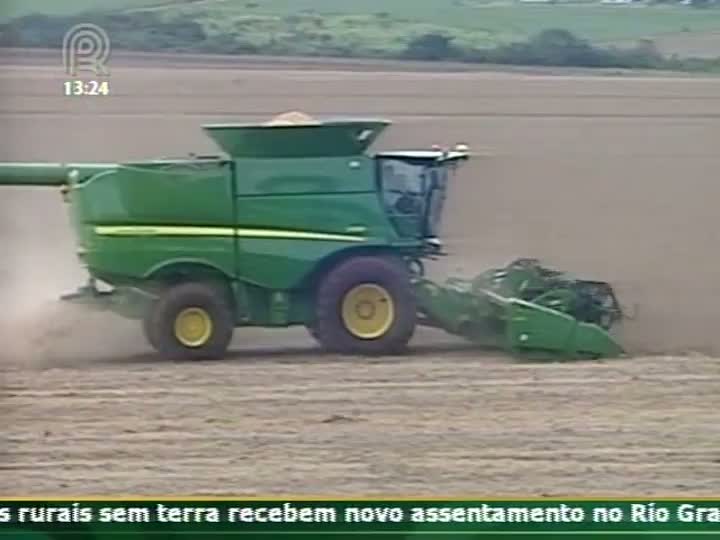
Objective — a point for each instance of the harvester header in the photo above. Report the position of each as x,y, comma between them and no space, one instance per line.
299,224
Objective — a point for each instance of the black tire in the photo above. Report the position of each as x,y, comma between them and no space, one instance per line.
388,273
159,325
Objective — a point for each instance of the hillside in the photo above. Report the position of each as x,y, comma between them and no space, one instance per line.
19,8
468,30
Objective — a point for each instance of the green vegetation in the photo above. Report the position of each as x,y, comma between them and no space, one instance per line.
499,21
17,8
463,30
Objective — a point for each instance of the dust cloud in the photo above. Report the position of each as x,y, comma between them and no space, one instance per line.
39,266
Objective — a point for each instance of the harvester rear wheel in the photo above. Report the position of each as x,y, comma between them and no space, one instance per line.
191,321
366,305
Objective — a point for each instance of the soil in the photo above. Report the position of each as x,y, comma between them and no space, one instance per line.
609,177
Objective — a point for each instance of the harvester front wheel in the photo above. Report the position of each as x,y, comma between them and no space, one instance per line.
366,305
191,321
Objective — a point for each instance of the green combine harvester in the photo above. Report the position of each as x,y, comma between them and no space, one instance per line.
299,225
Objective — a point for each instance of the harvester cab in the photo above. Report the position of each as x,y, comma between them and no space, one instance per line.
413,186
299,224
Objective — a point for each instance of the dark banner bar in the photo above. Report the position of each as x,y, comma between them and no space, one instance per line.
443,518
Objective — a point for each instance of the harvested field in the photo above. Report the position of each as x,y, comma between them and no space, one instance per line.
609,177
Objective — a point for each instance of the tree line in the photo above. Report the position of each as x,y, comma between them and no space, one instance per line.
148,32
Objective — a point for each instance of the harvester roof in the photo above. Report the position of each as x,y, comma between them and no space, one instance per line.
425,155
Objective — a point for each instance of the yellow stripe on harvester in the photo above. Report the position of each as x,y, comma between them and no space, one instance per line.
162,230
125,230
297,235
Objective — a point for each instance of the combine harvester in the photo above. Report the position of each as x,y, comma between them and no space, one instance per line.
299,225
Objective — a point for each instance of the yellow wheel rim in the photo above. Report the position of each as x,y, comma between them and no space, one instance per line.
368,311
193,327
